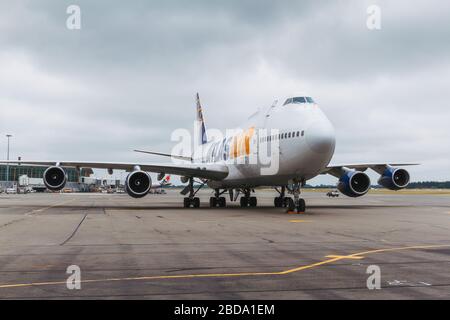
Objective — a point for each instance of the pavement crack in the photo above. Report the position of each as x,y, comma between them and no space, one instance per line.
11,222
74,231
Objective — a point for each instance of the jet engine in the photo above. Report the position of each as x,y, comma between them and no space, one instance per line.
394,178
138,184
354,183
55,178
184,179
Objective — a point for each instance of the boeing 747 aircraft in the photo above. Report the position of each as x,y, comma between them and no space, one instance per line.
282,146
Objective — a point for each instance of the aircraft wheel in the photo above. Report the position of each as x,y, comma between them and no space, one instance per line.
290,204
301,206
213,202
244,201
196,202
287,202
277,202
253,201
186,202
222,202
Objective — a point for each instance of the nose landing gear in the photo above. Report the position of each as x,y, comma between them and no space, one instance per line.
298,205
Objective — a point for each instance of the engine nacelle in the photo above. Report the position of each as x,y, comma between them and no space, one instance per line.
354,184
394,178
161,176
138,184
184,179
55,178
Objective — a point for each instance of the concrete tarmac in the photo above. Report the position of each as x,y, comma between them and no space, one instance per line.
152,248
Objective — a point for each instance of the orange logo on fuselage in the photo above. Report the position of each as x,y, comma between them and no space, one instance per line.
240,145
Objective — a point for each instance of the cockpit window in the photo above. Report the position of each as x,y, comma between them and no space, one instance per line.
288,101
299,100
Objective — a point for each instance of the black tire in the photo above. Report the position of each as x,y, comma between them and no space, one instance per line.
244,202
290,204
196,202
186,202
222,202
277,202
212,202
287,201
253,201
301,206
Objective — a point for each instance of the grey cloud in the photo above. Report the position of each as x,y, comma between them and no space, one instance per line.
128,78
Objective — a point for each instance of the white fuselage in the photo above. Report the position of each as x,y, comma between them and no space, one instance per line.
300,146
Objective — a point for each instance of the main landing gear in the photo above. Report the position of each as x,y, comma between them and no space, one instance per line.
217,200
247,200
296,205
191,201
282,200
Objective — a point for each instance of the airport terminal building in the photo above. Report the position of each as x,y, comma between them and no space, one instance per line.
11,176
15,171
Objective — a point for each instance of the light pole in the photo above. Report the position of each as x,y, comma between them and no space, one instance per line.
7,158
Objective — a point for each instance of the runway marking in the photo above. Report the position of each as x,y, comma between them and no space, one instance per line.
333,258
344,257
297,221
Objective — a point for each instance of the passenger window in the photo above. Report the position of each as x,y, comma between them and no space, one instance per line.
289,135
303,133
298,133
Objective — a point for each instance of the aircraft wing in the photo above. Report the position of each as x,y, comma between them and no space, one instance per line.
198,170
336,169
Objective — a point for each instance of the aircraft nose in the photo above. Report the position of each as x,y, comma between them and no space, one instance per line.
320,137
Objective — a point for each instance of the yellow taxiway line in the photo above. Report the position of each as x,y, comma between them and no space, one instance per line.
332,258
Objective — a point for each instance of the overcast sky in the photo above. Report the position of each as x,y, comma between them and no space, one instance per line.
128,77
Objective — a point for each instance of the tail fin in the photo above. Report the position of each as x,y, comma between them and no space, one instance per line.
201,134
